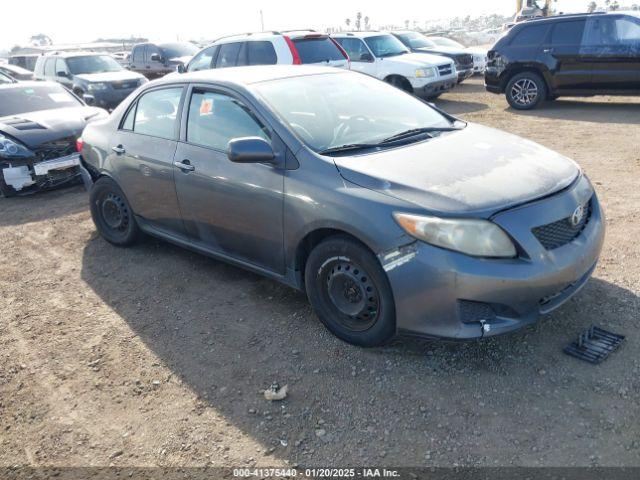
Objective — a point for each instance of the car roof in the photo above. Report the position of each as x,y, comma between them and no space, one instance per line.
571,16
370,33
73,54
245,76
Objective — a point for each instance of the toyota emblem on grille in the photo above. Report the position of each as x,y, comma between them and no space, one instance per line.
576,216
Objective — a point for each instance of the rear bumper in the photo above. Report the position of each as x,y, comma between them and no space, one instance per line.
492,81
444,294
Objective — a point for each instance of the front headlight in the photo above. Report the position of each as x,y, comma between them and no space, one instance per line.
97,87
425,73
12,149
479,238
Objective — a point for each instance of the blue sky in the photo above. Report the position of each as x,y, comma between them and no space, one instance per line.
85,20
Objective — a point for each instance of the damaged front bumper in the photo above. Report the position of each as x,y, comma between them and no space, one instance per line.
28,175
449,295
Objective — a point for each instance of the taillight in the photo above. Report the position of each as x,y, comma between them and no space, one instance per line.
342,50
79,145
294,51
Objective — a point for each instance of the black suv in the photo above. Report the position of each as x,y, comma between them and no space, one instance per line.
567,55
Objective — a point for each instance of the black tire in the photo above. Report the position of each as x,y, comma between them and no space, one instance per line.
350,292
400,82
526,90
431,98
112,213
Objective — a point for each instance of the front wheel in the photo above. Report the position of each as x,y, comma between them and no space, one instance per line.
350,292
112,214
526,90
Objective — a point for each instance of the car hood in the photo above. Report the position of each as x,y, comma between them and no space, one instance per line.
119,76
418,59
477,170
35,128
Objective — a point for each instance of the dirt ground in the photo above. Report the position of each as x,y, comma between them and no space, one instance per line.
157,356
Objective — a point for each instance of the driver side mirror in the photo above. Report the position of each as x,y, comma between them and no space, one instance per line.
155,57
366,57
250,150
62,74
181,68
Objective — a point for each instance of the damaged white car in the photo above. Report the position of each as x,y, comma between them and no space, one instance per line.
40,123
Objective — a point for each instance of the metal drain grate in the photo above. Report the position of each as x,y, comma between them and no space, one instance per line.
594,345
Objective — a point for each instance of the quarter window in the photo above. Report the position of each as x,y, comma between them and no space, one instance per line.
261,53
215,119
156,112
567,33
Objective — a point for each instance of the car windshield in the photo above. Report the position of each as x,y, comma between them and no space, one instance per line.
385,46
446,42
177,50
332,110
416,40
33,98
93,64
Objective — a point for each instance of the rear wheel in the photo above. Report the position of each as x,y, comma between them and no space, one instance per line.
526,90
112,214
350,292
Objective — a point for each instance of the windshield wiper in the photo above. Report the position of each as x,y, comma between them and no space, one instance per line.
347,148
418,131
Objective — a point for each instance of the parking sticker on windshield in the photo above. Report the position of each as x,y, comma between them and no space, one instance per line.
59,97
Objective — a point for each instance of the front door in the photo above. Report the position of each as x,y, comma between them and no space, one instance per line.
362,60
612,44
142,157
230,208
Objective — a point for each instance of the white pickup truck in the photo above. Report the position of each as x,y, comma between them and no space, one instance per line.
383,56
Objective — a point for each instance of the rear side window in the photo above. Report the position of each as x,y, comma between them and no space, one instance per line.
567,33
138,54
228,56
530,36
261,53
612,31
155,114
317,50
215,119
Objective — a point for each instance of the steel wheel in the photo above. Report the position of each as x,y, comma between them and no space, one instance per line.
115,212
111,213
351,293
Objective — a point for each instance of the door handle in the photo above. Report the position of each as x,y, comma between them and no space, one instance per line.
119,149
185,166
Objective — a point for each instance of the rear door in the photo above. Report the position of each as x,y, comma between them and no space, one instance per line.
230,208
320,49
142,157
137,59
612,46
571,69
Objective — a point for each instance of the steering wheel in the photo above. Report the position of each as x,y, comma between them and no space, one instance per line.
343,129
303,132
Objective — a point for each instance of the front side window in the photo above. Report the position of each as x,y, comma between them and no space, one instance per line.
156,113
153,50
332,110
61,67
261,53
50,68
385,46
531,35
203,60
228,56
215,119
567,33
611,31
354,47
93,64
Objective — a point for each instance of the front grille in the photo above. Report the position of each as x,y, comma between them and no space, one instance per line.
56,149
445,69
464,61
555,235
124,85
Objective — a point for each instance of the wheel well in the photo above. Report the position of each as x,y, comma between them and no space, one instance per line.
512,73
311,240
406,84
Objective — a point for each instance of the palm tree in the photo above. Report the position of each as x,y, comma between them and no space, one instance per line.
592,7
348,22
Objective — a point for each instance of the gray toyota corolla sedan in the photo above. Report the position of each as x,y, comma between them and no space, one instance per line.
393,216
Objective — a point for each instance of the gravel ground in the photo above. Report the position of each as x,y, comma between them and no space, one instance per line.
157,356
